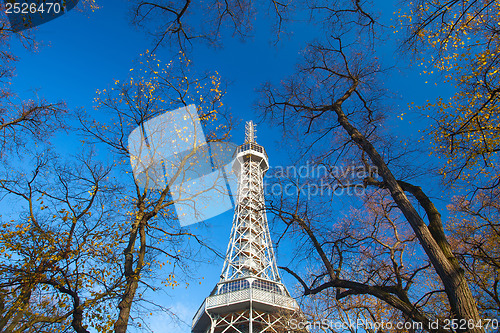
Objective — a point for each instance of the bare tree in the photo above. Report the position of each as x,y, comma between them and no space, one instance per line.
34,118
58,263
178,24
474,234
153,222
332,92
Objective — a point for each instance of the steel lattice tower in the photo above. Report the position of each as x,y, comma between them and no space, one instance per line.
249,297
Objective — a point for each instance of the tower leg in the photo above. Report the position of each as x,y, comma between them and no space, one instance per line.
250,320
212,323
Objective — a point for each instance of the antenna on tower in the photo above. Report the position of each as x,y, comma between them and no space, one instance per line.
250,132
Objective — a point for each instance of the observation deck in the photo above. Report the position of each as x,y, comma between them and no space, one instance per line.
239,298
251,151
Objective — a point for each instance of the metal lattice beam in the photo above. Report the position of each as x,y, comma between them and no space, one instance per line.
249,297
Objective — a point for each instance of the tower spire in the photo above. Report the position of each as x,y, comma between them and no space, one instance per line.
250,132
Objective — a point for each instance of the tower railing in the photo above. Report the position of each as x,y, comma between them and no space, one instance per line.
254,294
251,146
199,313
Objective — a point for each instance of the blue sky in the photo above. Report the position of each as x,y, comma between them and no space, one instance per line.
83,52
86,51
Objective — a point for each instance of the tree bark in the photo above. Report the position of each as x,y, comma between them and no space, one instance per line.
131,275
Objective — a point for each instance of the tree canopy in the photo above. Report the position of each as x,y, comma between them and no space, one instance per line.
85,241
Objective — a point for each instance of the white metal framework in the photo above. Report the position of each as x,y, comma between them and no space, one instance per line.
249,251
249,297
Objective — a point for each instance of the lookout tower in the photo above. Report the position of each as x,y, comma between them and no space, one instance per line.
249,298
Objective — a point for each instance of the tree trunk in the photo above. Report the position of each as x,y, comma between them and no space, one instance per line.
132,275
125,305
459,295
